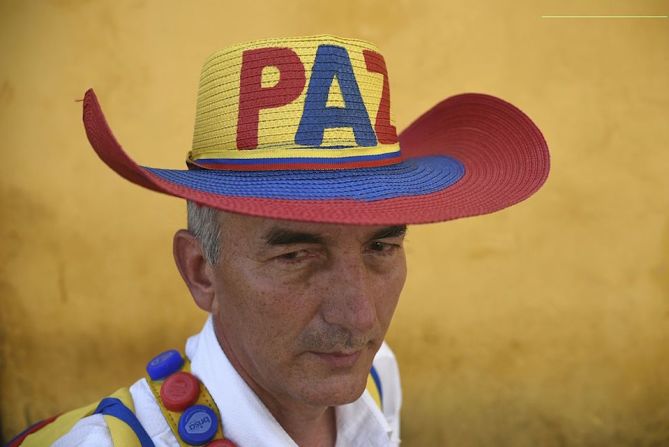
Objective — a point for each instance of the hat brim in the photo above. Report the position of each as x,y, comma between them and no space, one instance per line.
469,155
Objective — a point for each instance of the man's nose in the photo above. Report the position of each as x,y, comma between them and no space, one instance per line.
350,301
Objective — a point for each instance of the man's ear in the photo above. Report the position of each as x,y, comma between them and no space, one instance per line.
194,269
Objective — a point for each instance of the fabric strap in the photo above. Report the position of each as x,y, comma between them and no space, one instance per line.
112,406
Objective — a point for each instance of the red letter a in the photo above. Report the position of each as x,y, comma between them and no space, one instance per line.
385,132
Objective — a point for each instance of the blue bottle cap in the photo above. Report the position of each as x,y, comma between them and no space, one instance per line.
198,425
164,364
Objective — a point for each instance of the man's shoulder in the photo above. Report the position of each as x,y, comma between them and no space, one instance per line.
88,431
91,425
148,415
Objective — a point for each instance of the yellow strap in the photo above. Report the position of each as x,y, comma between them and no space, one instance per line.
172,417
48,434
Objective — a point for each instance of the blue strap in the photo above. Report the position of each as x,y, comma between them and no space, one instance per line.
113,407
377,382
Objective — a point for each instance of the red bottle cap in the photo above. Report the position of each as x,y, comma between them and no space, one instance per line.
179,391
221,443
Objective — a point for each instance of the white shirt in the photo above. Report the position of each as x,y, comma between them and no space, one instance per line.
245,419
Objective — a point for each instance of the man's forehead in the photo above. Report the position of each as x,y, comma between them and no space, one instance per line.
264,229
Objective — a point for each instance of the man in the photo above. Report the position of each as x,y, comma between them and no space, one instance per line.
298,200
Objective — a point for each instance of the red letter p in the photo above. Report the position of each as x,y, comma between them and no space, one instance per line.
253,96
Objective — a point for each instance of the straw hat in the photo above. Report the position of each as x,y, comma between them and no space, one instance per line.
302,129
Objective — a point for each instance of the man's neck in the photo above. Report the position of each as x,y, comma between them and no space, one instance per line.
307,428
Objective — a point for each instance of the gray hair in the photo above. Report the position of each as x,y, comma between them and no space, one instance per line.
203,223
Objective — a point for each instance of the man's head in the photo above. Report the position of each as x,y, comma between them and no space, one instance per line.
300,308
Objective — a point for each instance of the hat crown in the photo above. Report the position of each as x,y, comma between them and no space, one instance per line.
308,102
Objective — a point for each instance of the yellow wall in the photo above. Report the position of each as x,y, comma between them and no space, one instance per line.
543,325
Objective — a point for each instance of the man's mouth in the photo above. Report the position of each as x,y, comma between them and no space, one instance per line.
339,359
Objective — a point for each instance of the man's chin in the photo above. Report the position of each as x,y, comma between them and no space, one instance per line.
337,390
336,379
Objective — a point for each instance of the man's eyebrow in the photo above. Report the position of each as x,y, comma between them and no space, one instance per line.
282,236
388,232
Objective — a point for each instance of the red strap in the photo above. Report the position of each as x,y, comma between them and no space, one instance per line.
18,440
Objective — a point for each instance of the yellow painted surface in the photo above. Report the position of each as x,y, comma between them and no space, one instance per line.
543,325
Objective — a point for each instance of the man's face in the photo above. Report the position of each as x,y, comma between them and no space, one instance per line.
302,308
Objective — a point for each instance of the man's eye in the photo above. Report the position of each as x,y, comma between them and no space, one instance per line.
294,256
381,247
